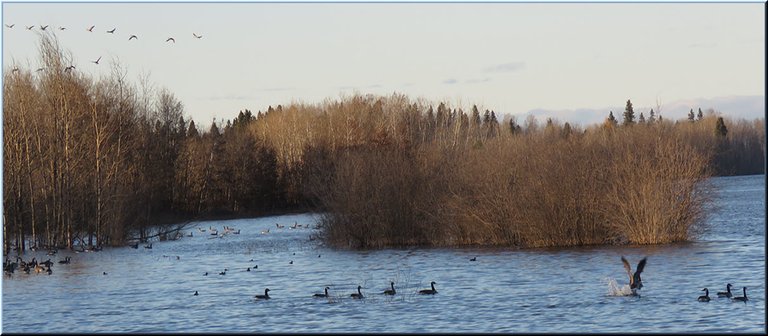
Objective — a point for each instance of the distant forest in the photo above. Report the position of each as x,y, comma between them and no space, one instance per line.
108,159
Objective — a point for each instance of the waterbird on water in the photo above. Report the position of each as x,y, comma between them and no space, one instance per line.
359,294
195,293
473,259
727,292
429,291
705,297
634,279
390,291
265,296
322,295
742,298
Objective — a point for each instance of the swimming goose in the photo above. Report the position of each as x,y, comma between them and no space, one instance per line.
429,291
390,291
473,259
265,296
742,298
322,295
195,293
634,279
705,297
727,292
359,294
66,260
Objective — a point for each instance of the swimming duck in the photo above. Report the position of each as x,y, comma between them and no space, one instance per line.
390,291
705,297
265,296
634,279
429,291
322,295
473,259
359,294
195,293
742,298
727,292
66,260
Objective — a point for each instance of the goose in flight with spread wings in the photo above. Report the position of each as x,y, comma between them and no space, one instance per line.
171,39
91,29
97,61
634,279
112,31
133,37
11,26
197,36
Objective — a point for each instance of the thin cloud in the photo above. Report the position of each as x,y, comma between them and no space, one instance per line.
279,89
480,80
450,81
229,98
505,67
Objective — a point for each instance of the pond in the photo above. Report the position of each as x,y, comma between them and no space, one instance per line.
503,290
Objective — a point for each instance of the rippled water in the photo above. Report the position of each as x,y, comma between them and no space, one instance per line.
505,290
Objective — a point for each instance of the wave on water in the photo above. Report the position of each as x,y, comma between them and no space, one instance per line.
614,289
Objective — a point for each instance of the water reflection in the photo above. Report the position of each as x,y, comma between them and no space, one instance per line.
504,290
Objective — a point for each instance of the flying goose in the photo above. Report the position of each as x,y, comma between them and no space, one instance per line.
198,36
30,27
111,31
171,39
634,279
97,62
10,26
133,37
43,27
91,29
62,28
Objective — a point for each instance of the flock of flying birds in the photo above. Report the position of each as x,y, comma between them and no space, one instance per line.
90,29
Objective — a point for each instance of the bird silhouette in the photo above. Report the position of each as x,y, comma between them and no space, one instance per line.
136,37
198,36
97,61
11,26
30,27
39,69
62,28
171,39
69,68
91,29
15,70
111,31
634,279
43,27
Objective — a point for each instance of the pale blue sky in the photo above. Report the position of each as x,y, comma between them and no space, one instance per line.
573,61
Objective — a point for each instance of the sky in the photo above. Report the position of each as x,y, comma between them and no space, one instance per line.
570,61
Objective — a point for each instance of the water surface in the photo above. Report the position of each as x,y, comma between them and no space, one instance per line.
505,290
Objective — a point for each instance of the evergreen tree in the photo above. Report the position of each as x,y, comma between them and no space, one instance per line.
720,130
476,116
514,127
700,115
611,119
641,119
567,130
192,131
691,116
629,114
652,117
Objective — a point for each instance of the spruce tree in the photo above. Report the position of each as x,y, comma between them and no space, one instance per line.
720,130
700,115
691,116
652,117
641,119
629,114
612,119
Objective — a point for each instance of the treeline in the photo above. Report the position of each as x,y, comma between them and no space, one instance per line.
100,162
